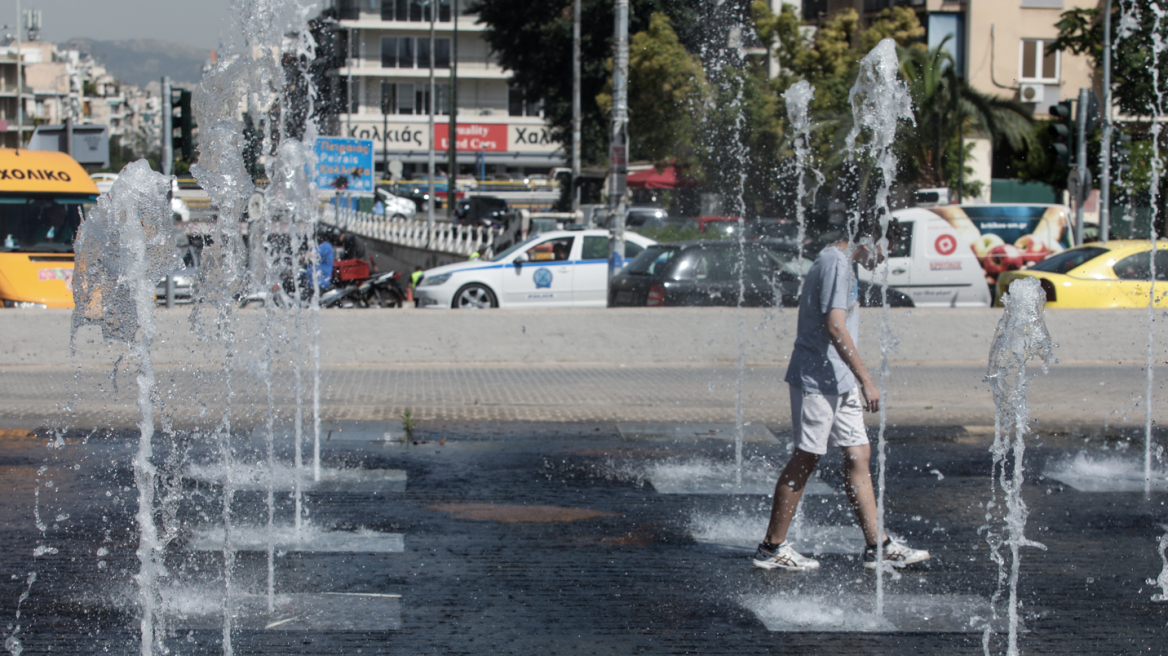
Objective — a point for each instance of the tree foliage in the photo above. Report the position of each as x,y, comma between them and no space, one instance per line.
532,40
667,90
1134,66
945,107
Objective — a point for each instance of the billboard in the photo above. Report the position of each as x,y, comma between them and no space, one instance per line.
344,165
1009,237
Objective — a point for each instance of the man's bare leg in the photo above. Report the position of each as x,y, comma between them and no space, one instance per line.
788,491
859,489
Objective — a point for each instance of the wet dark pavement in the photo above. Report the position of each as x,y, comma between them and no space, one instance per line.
525,538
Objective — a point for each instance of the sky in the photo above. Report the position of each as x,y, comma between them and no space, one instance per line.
193,22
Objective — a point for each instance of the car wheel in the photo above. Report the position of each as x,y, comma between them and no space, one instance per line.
397,217
474,297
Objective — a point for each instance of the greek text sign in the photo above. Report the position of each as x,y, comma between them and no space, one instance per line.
345,164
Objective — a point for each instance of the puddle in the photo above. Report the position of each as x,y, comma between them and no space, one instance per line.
854,614
310,539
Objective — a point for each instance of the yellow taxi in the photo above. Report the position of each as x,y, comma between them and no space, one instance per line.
1117,274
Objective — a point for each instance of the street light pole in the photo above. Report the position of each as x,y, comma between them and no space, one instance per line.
618,149
430,201
452,132
575,190
1105,154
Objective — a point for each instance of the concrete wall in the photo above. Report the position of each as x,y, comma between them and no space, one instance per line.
631,336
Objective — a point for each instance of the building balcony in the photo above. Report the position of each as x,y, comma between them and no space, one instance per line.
466,71
372,21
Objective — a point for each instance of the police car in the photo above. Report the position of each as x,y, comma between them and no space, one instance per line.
562,268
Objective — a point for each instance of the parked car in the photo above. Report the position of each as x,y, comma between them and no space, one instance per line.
562,268
396,207
933,264
635,217
1117,274
713,273
480,210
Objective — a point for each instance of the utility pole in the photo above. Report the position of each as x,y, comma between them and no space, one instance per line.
618,148
452,132
349,83
167,155
1105,154
19,84
575,190
1084,180
433,6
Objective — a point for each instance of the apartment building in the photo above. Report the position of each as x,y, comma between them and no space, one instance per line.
384,83
1000,46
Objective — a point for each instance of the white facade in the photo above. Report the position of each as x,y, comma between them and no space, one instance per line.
386,79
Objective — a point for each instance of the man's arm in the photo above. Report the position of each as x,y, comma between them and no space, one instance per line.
836,324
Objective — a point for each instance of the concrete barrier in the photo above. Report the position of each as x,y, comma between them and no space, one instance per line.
632,336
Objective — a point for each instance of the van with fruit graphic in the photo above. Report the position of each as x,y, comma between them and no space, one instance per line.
1007,237
934,264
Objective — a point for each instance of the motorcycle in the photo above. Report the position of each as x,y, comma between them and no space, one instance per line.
381,290
352,286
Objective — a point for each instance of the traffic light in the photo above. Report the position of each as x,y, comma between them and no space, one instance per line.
1062,133
184,124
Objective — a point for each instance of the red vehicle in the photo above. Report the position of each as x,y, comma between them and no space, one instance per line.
726,226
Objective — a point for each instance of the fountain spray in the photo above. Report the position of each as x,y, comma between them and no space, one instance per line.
880,100
798,99
1021,336
122,249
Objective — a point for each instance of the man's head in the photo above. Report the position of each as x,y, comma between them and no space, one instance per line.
869,253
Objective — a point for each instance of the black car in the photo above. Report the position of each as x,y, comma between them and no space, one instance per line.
715,273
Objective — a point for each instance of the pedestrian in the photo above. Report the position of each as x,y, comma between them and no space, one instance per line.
415,279
830,389
320,274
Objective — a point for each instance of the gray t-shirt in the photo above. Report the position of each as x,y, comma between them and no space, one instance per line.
816,366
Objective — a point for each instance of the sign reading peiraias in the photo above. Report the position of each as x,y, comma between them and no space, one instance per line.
344,165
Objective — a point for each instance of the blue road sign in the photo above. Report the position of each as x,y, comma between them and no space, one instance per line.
344,165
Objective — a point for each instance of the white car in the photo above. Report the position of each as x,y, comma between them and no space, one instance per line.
562,268
397,207
934,265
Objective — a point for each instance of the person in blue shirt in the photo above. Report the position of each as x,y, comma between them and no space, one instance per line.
321,273
830,390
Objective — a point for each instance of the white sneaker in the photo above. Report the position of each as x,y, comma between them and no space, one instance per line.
785,557
896,553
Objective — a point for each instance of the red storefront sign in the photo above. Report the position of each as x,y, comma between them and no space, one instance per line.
473,137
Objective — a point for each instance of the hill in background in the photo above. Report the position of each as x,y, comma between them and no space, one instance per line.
140,61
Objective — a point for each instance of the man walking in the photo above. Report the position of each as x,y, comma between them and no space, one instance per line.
830,389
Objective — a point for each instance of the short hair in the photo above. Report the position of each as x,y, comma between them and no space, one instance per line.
869,227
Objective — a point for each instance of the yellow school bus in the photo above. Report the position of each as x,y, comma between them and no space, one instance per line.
43,199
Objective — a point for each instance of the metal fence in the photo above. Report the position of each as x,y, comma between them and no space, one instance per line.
414,233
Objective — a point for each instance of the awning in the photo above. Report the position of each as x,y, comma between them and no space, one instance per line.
653,179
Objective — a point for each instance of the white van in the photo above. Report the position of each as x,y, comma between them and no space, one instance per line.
934,265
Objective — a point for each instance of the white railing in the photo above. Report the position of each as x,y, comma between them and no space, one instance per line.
444,237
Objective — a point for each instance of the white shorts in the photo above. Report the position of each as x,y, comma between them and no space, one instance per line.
820,421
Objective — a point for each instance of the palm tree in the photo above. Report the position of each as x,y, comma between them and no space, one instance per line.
946,108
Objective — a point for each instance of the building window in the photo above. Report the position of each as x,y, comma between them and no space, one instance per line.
1040,63
417,11
389,52
405,99
388,97
409,52
348,9
519,105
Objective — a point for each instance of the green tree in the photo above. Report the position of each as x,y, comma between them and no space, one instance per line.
945,108
1134,67
533,42
667,88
